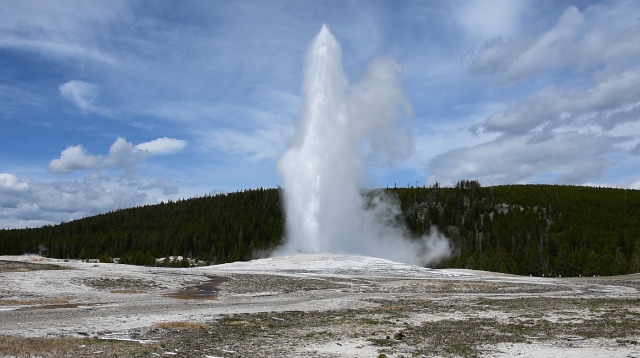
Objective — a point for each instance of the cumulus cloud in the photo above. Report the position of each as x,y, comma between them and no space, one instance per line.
571,122
9,182
72,159
12,192
162,145
122,154
82,94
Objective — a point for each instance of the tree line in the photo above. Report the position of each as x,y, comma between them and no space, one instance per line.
216,229
540,230
532,229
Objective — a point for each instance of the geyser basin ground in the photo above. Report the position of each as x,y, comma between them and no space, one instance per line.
312,306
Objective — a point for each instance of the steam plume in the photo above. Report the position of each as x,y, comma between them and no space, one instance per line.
322,172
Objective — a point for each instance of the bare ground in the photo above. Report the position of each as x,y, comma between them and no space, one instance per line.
309,306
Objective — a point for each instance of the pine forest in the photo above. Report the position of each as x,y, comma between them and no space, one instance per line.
538,230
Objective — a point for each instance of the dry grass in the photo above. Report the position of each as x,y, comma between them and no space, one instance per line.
243,323
21,346
129,291
72,347
181,325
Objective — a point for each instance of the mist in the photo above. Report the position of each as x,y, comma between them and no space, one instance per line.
341,127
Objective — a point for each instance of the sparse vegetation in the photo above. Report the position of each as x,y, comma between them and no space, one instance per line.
121,285
180,325
396,316
72,347
259,335
368,321
283,333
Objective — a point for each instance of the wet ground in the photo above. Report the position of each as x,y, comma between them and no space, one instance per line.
205,291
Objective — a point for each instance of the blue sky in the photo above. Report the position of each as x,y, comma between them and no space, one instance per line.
112,104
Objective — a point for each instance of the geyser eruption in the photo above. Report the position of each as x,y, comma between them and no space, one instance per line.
326,209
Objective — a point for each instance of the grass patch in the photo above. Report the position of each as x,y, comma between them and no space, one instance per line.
319,334
368,321
128,291
241,322
72,347
405,327
181,325
21,346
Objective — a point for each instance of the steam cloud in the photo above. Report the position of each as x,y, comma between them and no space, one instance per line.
340,125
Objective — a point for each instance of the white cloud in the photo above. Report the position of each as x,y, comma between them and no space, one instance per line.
49,47
549,48
583,103
82,94
166,186
72,159
122,154
614,100
66,29
486,20
257,145
14,100
578,41
554,135
9,182
53,202
566,158
494,56
265,129
163,145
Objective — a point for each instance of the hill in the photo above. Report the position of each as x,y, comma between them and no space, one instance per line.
218,229
532,229
520,229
